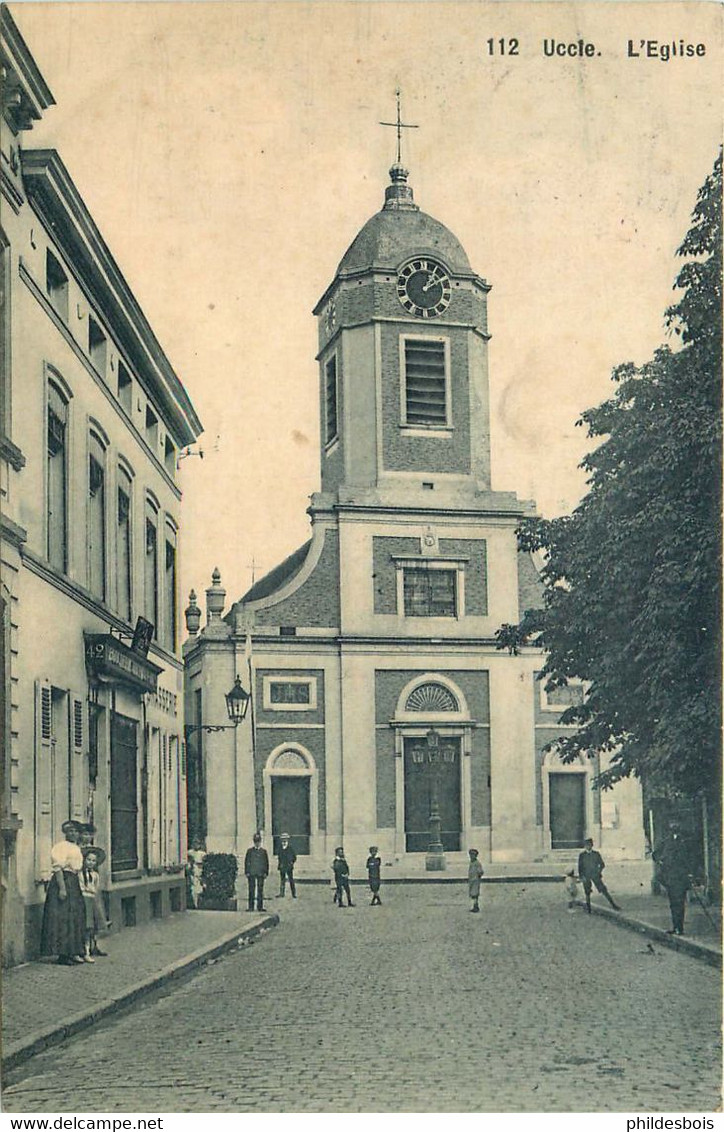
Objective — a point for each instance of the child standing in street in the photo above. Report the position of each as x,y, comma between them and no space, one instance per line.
374,864
570,887
475,872
95,913
341,876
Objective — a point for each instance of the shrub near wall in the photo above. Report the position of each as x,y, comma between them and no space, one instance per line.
218,882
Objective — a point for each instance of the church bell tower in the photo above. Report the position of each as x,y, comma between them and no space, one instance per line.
403,362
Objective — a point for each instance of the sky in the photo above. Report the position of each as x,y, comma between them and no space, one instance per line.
229,154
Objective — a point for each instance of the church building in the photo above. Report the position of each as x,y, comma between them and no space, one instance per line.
381,711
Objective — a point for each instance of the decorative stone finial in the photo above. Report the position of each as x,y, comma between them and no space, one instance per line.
215,597
192,613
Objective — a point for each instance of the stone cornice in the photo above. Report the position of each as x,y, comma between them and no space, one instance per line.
12,532
28,94
379,270
407,322
57,201
262,643
11,453
10,191
453,514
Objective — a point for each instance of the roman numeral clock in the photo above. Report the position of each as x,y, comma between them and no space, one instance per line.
423,288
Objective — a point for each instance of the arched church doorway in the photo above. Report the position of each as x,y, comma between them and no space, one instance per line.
290,797
433,776
420,789
567,801
567,810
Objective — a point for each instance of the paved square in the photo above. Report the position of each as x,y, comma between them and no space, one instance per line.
414,1006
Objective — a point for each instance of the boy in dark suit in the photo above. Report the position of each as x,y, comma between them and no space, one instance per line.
590,870
286,858
341,876
374,864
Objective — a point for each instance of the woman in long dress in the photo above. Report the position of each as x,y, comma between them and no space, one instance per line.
63,931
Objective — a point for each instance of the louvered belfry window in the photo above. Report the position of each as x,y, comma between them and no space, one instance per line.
330,400
425,382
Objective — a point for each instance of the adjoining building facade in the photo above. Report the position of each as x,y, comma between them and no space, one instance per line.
377,691
93,419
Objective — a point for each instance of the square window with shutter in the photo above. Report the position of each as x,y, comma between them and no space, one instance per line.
56,285
425,383
46,714
77,723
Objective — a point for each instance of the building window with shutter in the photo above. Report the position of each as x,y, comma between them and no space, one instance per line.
123,545
425,368
151,429
97,517
56,285
170,589
56,471
125,388
151,568
331,427
97,346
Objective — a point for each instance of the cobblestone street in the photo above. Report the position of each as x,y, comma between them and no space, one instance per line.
414,1006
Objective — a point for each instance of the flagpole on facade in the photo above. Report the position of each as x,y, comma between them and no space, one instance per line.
252,707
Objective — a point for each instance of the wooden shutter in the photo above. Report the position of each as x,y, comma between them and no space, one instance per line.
44,757
78,786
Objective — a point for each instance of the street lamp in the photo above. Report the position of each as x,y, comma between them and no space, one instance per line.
433,756
237,704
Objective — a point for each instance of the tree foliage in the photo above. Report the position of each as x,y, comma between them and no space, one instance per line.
633,577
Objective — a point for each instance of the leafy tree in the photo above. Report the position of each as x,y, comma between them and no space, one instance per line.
633,577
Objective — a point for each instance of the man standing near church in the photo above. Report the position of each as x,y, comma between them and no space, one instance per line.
673,863
256,868
590,871
286,858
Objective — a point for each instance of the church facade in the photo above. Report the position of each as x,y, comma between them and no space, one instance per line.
378,698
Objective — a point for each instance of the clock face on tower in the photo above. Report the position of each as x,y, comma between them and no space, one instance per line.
423,288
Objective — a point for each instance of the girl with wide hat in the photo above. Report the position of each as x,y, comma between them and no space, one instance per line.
95,913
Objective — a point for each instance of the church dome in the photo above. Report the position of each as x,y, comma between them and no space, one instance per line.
399,230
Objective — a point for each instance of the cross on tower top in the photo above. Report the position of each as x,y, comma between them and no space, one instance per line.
399,125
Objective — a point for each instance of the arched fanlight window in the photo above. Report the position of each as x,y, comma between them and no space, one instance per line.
431,698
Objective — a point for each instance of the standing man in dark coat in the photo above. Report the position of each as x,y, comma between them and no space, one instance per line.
673,862
256,868
286,858
590,871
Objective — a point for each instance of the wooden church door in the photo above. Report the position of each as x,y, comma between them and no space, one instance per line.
290,811
567,810
418,790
